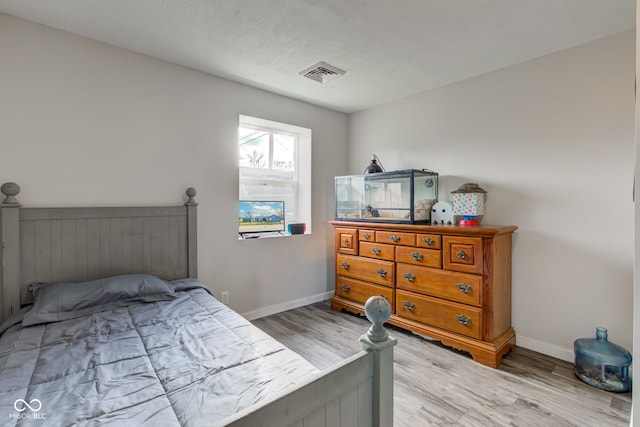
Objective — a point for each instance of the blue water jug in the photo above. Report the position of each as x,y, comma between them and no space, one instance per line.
602,364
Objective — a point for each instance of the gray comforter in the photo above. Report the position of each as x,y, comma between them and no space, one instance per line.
175,358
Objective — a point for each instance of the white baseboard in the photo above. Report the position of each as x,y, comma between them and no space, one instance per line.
552,350
287,305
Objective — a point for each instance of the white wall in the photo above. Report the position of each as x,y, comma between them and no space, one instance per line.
552,141
85,123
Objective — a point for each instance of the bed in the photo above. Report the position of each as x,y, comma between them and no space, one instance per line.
104,322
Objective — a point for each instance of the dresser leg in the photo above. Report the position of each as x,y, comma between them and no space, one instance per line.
493,356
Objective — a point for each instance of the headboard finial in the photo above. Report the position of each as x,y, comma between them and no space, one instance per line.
11,190
191,193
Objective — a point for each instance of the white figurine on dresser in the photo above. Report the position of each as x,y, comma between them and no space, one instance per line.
442,213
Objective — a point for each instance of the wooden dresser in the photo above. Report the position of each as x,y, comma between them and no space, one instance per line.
449,283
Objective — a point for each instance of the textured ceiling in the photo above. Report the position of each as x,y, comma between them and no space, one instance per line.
389,49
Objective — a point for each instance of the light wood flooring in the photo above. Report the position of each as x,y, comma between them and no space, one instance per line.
437,386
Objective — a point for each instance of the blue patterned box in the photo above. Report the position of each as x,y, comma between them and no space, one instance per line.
470,204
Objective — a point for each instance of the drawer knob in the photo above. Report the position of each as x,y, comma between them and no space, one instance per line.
409,276
346,288
345,241
381,272
463,287
395,238
417,256
376,251
460,254
462,319
408,305
345,265
366,236
428,241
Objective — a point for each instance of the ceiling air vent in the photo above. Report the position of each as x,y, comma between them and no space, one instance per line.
321,72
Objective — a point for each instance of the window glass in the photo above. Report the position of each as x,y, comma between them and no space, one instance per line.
283,152
254,148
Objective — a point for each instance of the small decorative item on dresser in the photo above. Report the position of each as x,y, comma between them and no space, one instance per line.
442,213
468,202
602,364
374,167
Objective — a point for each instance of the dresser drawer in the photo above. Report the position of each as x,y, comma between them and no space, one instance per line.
431,241
454,317
460,287
377,250
369,270
407,239
462,254
346,240
359,292
367,235
419,256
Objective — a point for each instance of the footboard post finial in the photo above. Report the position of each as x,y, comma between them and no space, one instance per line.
378,311
380,344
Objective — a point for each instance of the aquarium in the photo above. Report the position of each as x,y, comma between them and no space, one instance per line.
404,196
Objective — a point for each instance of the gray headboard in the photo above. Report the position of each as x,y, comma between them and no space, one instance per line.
78,244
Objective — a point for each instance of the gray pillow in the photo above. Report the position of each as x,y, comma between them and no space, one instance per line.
66,300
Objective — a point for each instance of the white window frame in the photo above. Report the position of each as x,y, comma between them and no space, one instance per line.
302,170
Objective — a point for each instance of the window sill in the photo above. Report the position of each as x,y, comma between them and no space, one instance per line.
268,235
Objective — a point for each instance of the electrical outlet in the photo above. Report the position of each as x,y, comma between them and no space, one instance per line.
224,297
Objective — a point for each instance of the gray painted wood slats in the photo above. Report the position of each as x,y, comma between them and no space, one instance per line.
80,244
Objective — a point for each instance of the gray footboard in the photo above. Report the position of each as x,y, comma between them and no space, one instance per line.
355,393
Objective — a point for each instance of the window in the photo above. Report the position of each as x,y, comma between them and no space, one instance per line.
275,165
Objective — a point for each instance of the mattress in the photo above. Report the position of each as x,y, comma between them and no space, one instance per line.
182,359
